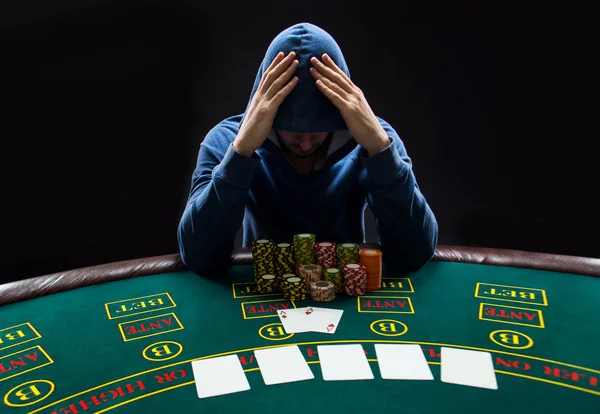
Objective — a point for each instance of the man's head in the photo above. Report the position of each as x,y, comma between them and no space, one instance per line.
306,108
302,144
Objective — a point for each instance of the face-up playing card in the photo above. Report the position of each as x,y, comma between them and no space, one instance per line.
324,320
282,364
344,362
219,375
466,367
294,320
402,362
310,319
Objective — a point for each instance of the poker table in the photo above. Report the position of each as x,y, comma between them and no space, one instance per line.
122,336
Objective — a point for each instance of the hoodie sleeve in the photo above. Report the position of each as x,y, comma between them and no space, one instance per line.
215,207
408,230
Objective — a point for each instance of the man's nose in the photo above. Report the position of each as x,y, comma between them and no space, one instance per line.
306,143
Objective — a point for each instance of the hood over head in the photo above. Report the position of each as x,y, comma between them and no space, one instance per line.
306,109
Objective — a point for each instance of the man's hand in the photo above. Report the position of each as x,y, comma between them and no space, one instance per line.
352,104
271,92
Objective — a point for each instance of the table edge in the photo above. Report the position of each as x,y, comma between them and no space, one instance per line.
26,289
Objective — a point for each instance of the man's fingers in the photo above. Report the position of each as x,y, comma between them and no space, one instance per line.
332,74
329,90
285,91
329,83
331,64
282,79
273,74
274,63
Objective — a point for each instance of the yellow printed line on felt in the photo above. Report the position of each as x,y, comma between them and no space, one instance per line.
370,360
545,303
358,298
22,342
140,297
264,301
235,296
39,347
158,308
146,319
537,311
412,290
326,342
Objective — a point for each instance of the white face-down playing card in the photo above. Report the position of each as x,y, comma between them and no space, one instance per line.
466,367
282,364
219,375
402,362
344,362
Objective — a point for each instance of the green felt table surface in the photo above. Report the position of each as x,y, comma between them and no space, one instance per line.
127,346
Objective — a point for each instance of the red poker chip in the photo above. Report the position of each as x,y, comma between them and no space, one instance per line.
326,253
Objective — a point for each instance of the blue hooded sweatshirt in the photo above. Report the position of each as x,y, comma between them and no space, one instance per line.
264,193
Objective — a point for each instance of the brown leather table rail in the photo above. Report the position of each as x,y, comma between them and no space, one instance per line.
73,279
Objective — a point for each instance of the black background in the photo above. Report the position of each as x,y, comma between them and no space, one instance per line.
106,102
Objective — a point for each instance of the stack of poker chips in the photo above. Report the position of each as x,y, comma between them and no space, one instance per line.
347,253
267,284
322,291
372,260
284,259
304,248
263,253
334,275
282,282
294,288
287,275
310,273
326,254
355,279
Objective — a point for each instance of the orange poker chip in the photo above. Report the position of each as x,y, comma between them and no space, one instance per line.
372,260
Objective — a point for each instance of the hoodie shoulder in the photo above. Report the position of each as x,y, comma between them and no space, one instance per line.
395,137
389,129
220,137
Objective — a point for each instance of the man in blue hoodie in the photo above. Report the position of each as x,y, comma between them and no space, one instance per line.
306,156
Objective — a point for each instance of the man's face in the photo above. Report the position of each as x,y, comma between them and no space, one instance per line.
302,144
